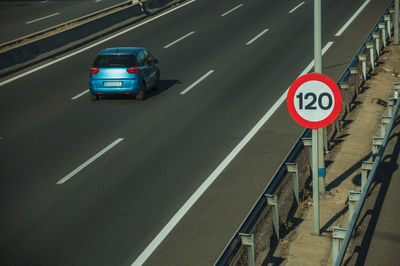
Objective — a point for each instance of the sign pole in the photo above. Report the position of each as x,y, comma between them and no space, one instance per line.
316,133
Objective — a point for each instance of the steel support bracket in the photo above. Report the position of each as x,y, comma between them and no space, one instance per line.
396,90
391,104
292,168
344,87
366,166
338,235
384,122
273,201
363,59
248,240
354,72
354,197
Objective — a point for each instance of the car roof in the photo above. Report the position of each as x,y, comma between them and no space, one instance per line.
121,51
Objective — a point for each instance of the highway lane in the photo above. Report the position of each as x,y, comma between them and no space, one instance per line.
21,18
110,211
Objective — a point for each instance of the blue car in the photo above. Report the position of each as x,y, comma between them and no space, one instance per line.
124,70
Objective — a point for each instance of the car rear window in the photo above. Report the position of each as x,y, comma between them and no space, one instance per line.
104,61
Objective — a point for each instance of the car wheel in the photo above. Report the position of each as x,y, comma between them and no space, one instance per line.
142,94
157,85
94,97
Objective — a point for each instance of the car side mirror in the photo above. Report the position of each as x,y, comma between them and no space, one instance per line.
155,61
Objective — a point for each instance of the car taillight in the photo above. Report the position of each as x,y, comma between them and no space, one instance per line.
94,70
132,70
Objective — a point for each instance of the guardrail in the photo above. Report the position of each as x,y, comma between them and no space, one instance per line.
353,77
346,233
40,46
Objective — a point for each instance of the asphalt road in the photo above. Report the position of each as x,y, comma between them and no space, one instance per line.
21,18
164,148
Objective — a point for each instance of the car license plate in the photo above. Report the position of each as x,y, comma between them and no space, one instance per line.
113,83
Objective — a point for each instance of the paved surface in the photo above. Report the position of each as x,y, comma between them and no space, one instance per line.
110,211
21,18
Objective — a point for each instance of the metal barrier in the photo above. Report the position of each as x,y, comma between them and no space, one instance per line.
364,191
359,67
245,228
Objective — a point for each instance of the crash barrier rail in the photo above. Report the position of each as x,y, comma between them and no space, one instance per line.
378,147
37,47
358,69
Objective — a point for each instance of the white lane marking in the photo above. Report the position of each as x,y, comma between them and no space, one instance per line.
97,1
52,15
79,95
82,166
197,81
94,44
146,253
233,9
352,18
296,7
44,1
258,36
180,39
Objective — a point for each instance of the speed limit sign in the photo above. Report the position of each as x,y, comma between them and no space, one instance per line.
314,100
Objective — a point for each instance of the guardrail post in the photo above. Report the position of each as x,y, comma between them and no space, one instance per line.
307,142
354,73
292,168
370,46
376,36
388,26
384,122
273,201
381,26
366,166
396,89
338,234
248,240
376,143
354,197
344,87
391,104
363,59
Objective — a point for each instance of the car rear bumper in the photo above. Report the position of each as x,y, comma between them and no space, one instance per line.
97,87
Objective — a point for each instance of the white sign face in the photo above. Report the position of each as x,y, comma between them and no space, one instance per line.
314,101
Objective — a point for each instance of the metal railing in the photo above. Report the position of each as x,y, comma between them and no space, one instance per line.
374,43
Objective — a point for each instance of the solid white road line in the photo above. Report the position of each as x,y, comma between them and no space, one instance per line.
44,1
197,81
52,15
94,44
233,9
296,7
146,253
258,36
82,166
79,95
178,40
352,18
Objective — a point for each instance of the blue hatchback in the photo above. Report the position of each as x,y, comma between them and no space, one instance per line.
124,70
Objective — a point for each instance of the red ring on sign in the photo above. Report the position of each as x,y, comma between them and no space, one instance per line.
336,94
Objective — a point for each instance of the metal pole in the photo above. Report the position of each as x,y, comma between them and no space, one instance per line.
318,69
396,22
315,180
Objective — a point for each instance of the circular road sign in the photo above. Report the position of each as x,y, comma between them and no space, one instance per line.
314,100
